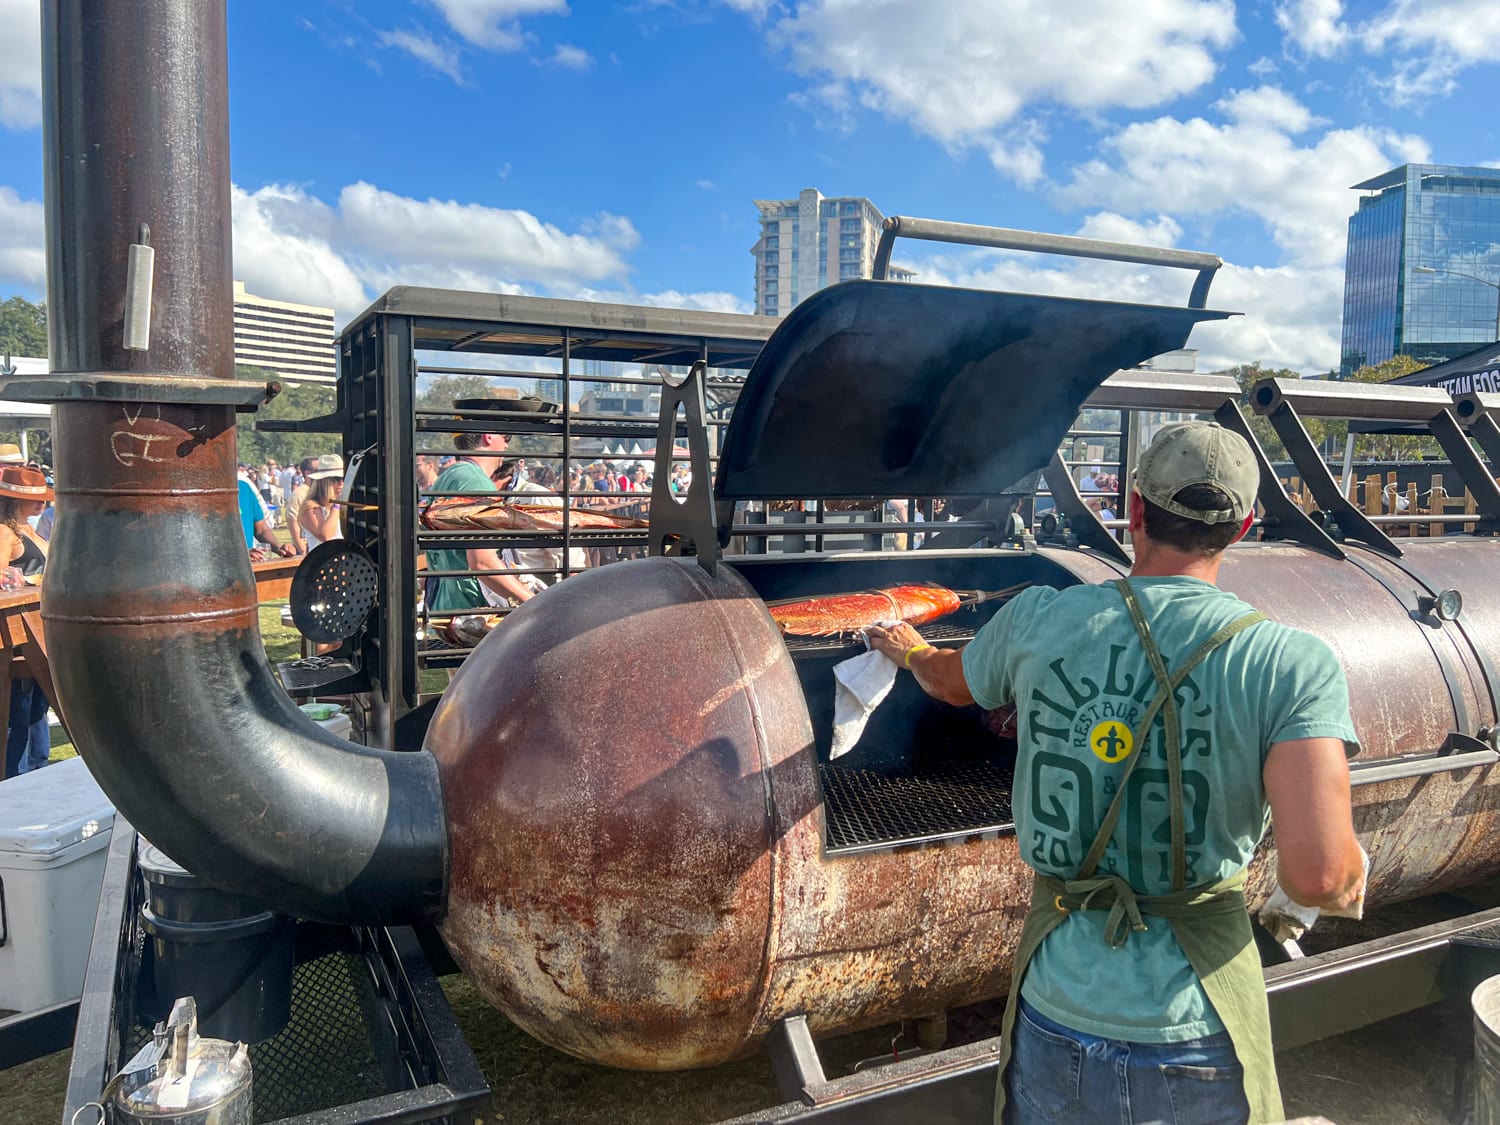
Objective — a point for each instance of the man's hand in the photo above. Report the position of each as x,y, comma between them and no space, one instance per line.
286,550
939,672
895,641
257,554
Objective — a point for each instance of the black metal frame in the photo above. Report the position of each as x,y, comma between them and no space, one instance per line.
376,415
1311,998
425,1050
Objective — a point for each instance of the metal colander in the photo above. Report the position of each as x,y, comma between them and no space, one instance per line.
333,591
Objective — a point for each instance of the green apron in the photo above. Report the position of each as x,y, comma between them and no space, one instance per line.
1210,923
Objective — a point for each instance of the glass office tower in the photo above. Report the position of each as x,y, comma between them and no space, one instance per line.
1422,275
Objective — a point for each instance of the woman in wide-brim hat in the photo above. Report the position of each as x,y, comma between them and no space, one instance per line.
23,494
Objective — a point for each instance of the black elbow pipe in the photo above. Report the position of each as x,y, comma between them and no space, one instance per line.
149,601
151,618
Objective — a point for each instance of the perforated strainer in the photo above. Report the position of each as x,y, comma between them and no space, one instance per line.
333,591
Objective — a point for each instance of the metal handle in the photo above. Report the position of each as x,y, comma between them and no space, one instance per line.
1003,238
1373,772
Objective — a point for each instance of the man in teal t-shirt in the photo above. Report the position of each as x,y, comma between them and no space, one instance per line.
481,455
1264,729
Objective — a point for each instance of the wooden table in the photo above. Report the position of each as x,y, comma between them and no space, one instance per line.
23,645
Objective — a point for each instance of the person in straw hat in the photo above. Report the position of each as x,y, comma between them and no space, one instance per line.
23,494
318,516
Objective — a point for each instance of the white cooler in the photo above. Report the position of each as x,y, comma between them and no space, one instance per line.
55,825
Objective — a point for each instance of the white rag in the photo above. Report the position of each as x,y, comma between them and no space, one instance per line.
860,683
1288,921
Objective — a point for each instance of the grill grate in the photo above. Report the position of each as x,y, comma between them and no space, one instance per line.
324,1057
867,810
935,633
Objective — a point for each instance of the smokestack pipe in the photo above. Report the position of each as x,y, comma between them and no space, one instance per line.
149,601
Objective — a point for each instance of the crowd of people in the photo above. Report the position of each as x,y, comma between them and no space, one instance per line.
511,576
302,499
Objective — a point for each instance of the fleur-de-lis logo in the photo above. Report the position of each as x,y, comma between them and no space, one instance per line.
1111,741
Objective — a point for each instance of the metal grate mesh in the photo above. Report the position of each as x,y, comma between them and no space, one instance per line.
852,644
867,810
323,1058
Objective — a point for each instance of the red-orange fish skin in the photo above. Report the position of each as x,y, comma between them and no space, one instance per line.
848,613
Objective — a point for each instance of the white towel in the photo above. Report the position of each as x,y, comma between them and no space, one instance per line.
860,683
1288,921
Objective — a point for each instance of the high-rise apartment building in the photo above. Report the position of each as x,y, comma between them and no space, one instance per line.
295,341
1422,275
809,242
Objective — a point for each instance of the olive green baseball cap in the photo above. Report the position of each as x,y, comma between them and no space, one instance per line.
1189,453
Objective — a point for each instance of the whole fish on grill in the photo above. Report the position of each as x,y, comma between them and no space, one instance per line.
849,613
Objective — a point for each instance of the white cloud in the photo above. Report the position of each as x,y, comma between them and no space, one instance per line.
502,243
570,57
292,245
1249,165
23,236
705,302
1434,40
442,57
1313,27
284,249
966,71
21,64
1422,45
23,261
492,23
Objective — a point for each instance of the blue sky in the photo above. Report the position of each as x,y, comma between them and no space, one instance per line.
613,150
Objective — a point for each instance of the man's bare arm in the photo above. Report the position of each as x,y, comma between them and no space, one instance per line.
1307,786
939,672
507,584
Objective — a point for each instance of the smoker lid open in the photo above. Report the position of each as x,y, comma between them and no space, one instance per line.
875,388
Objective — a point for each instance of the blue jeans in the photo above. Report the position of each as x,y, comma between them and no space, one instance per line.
28,742
1060,1075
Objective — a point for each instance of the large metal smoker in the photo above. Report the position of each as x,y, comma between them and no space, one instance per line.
670,883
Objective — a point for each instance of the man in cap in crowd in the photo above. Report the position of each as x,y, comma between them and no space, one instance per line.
478,458
1139,871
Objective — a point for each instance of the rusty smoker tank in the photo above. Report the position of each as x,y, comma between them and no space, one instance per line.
638,830
618,817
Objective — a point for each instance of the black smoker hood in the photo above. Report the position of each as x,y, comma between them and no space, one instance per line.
880,388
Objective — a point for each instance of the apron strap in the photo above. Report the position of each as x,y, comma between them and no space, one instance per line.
1164,701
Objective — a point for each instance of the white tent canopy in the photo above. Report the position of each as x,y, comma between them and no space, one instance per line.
26,415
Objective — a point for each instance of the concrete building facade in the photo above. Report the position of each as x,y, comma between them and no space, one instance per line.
812,241
295,341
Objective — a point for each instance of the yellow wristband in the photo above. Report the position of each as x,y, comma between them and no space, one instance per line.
906,656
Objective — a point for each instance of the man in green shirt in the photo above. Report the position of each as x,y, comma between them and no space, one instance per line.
479,456
1137,994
